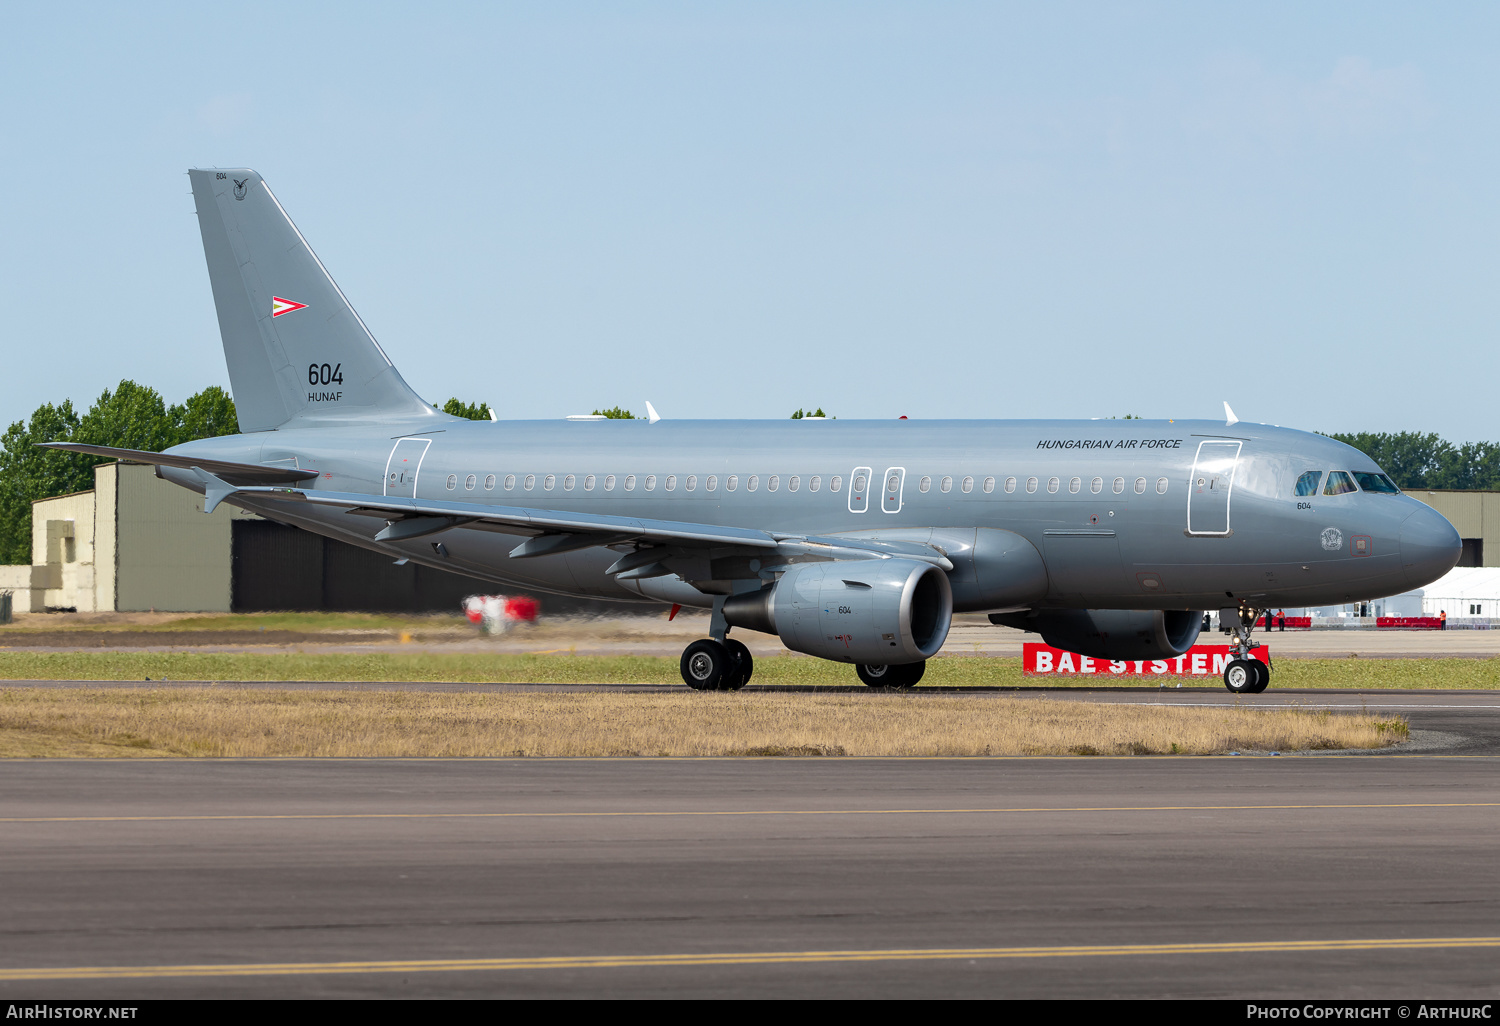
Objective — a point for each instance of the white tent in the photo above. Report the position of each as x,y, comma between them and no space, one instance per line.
1463,592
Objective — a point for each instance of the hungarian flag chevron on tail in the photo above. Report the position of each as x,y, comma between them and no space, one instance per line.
297,351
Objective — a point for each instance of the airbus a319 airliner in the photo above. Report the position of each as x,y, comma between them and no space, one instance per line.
855,541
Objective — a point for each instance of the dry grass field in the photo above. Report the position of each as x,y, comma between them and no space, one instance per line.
237,722
563,668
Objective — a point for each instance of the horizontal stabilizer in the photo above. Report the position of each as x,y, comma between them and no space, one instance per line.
234,473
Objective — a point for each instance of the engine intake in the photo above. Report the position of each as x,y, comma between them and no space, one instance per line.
875,611
1112,633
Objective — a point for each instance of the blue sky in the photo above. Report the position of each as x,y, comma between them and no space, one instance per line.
733,210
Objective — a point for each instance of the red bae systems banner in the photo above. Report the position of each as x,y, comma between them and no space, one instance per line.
1038,660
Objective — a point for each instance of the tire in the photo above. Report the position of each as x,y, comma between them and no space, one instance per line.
704,664
742,666
1262,677
904,675
1240,676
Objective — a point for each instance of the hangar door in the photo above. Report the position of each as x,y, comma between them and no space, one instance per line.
1210,486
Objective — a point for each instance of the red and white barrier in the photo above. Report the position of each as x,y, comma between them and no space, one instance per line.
1038,660
497,613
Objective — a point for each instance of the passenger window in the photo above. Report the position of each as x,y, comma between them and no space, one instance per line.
489,483
650,482
671,483
814,483
452,481
752,482
1074,485
1339,483
1161,486
1377,483
1119,485
732,482
692,482
946,484
629,483
924,485
1053,484
530,482
793,483
1307,484
835,483
1010,485
568,483
968,484
712,483
1096,485
1030,484
609,482
470,482
989,485
588,483
773,482
548,482
1140,486
510,481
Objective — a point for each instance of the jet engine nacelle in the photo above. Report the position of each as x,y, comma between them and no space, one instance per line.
1112,633
874,611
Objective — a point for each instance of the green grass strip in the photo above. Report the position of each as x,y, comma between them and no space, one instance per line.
560,668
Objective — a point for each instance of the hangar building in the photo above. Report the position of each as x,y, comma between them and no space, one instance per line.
135,543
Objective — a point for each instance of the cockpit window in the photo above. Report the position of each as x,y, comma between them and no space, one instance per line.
1339,483
1307,484
1378,483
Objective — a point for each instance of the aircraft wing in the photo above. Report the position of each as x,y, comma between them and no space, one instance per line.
658,542
234,473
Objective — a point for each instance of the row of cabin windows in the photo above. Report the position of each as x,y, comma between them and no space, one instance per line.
793,483
648,482
1341,482
1054,485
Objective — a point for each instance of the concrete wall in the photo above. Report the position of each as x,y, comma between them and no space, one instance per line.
168,555
62,548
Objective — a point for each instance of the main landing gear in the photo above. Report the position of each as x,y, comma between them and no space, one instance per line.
710,665
1243,675
904,675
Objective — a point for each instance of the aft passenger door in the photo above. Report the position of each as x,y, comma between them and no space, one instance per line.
1210,486
401,469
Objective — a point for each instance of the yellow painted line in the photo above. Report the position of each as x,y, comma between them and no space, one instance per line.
117,972
744,812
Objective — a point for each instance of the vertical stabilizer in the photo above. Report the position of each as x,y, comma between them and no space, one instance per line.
296,349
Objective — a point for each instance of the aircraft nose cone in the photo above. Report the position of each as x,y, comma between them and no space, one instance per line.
1429,547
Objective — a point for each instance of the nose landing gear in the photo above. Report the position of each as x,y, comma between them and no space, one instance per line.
1243,675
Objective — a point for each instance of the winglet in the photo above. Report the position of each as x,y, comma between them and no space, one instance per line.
651,415
1230,420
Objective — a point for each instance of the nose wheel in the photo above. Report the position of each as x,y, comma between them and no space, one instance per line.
1243,675
1247,676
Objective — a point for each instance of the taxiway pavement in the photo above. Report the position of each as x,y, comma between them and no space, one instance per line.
1292,877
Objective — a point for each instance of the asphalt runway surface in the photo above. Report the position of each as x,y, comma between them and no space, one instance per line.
1317,876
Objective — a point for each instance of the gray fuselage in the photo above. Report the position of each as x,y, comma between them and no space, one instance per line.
1106,503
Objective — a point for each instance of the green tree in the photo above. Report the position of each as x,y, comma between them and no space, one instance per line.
615,413
131,416
208,414
27,472
468,411
809,413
